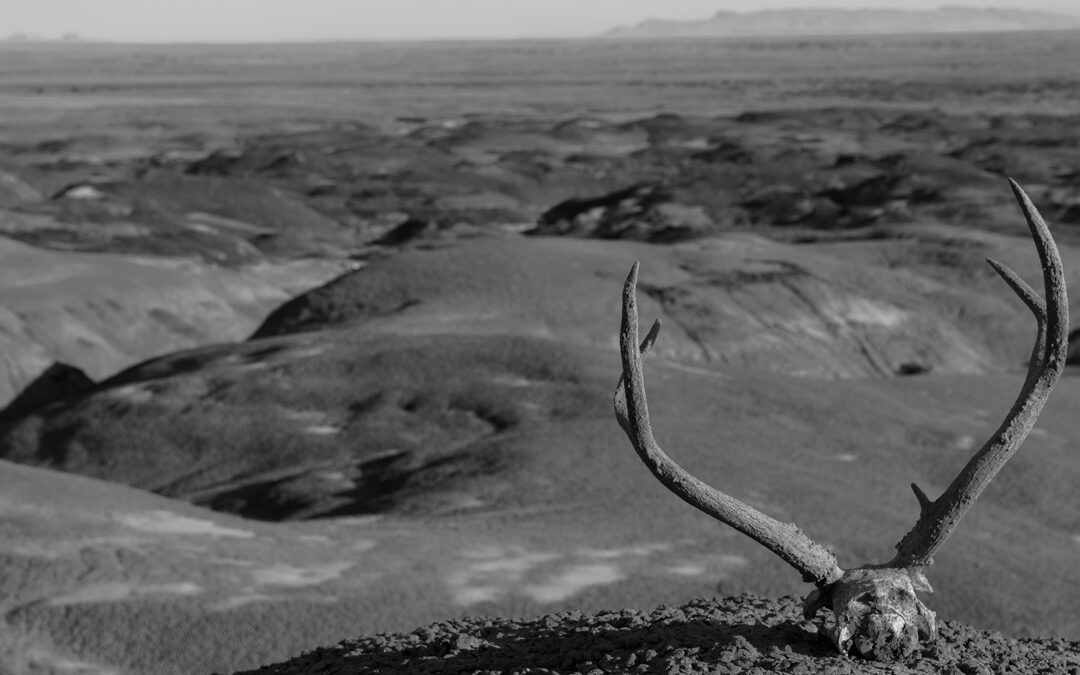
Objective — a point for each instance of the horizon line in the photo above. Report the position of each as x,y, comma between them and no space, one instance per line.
74,37
59,42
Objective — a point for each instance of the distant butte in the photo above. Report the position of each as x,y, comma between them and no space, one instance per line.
822,21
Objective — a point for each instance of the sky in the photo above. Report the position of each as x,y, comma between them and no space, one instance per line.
298,20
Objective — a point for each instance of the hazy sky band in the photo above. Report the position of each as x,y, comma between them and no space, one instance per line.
292,20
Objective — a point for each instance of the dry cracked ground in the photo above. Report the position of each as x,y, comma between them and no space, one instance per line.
392,400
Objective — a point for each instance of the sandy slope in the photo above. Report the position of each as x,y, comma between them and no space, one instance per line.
102,312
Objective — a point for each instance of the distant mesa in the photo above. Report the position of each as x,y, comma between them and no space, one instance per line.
19,37
822,21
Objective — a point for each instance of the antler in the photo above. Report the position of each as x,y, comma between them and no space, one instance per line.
816,563
876,611
938,518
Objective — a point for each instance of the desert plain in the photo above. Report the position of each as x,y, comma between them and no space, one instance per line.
307,342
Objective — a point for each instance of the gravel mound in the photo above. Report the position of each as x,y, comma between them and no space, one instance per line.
744,634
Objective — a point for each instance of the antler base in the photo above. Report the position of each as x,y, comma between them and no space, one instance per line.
876,613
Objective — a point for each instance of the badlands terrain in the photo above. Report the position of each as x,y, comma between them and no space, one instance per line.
308,342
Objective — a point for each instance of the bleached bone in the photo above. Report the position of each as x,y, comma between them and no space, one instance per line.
876,611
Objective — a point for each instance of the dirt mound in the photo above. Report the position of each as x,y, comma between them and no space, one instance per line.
112,226
280,223
877,308
745,634
309,426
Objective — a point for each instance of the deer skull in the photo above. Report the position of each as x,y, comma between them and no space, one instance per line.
876,612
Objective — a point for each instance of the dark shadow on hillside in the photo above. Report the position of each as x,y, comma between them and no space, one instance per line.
58,382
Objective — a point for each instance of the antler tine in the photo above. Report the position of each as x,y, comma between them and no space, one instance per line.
938,518
1037,307
621,413
816,563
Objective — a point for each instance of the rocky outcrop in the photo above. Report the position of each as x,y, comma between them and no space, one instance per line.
645,212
